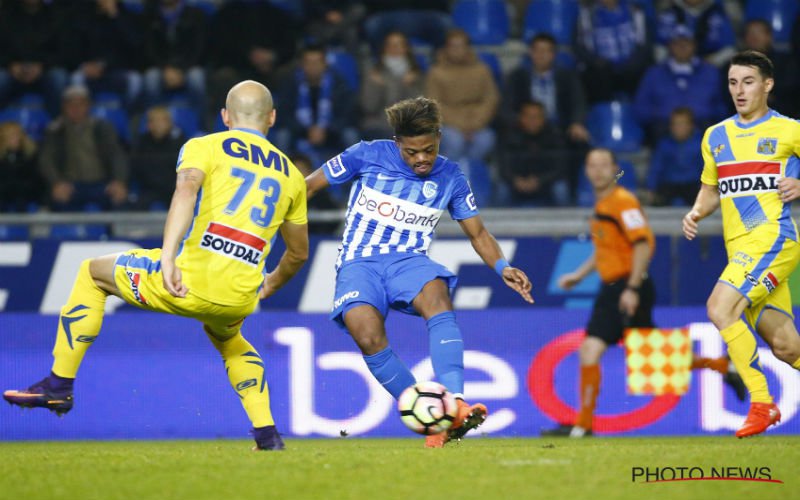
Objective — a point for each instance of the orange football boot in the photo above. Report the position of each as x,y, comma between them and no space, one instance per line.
468,418
759,418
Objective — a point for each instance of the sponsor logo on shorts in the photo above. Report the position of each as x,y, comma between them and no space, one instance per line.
233,243
752,279
748,178
770,281
134,278
341,300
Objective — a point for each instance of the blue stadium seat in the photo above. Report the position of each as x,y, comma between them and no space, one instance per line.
584,196
10,232
347,67
186,119
219,126
422,61
30,100
117,116
33,121
493,62
209,7
135,6
486,21
612,125
556,17
78,232
780,14
107,100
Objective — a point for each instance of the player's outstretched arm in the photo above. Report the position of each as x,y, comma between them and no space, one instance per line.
179,217
296,254
486,246
569,280
316,181
706,203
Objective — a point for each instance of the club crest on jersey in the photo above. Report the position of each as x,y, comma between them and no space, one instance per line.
134,278
719,148
770,281
748,178
767,146
233,243
429,189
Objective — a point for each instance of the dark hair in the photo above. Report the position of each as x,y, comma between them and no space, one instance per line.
753,22
604,150
683,110
313,47
543,37
755,59
530,102
414,117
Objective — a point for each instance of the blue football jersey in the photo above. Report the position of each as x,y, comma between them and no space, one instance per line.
390,208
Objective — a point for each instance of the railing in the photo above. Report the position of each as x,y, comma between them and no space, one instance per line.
500,221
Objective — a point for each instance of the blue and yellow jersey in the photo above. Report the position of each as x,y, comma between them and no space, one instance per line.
250,189
745,162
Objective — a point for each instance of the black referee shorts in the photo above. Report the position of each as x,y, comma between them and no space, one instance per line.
607,322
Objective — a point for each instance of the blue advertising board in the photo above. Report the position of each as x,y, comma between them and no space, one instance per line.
151,376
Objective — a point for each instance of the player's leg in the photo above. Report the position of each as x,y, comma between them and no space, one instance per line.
724,367
245,369
366,325
78,326
777,328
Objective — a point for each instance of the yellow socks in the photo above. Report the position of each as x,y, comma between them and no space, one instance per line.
246,373
796,364
744,354
78,324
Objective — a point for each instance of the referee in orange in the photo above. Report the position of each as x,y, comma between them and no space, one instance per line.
623,246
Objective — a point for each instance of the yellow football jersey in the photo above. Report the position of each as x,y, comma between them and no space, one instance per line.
250,189
745,162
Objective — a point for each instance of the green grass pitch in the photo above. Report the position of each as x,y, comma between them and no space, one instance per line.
386,469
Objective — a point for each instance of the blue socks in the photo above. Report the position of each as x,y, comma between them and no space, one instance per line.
387,369
447,351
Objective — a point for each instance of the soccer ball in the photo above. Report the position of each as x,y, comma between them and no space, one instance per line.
427,408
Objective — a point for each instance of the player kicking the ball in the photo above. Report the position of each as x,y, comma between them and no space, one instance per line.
234,191
750,169
400,189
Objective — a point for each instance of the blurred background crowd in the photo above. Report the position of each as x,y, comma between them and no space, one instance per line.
97,96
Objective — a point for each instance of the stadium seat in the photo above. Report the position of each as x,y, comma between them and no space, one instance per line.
346,65
209,7
30,100
135,6
107,100
117,116
78,232
185,119
486,21
780,14
556,17
9,232
33,121
612,125
584,197
479,176
493,62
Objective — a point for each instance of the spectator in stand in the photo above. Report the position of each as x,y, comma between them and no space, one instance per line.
21,186
251,40
320,201
682,80
783,97
394,77
533,159
709,24
318,109
612,48
423,21
672,178
468,98
174,49
335,23
153,160
81,158
103,43
31,56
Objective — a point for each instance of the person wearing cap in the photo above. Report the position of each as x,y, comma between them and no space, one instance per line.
81,157
681,80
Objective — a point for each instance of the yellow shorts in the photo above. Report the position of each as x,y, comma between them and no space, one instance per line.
138,277
759,265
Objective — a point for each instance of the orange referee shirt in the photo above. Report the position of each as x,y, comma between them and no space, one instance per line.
618,222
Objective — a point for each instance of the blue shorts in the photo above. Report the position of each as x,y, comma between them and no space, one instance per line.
384,282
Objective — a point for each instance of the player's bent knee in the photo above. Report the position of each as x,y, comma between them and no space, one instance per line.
720,314
370,344
786,350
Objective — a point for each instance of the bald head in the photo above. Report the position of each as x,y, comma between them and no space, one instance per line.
249,104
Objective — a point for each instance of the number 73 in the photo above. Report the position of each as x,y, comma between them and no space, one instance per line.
261,216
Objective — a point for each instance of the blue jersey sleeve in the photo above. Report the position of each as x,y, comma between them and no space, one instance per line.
346,165
462,203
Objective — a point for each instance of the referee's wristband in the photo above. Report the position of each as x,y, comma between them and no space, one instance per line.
500,265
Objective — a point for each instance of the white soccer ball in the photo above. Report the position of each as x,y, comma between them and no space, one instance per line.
427,408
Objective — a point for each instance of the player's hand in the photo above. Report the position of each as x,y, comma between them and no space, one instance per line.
690,224
518,280
267,290
629,302
569,280
788,189
173,280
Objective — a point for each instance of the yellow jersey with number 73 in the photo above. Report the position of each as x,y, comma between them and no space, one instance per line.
250,189
745,162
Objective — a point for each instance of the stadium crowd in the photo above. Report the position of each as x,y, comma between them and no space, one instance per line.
97,96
